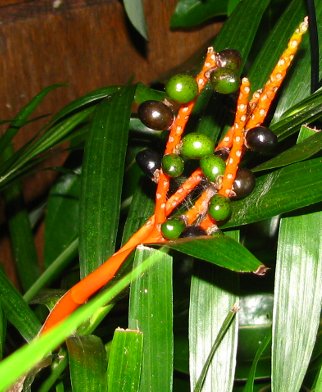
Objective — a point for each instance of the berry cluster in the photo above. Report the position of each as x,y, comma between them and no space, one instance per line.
223,74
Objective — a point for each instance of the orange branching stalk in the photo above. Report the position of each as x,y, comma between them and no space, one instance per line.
249,113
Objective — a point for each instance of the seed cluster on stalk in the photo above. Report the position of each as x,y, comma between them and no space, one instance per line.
218,166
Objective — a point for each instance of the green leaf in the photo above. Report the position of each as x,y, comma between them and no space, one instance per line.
306,111
22,159
24,359
57,368
297,86
297,300
16,309
297,153
125,361
21,235
102,175
275,44
22,117
84,101
190,13
61,221
151,312
87,363
274,193
220,250
213,294
220,336
54,270
2,331
249,387
135,12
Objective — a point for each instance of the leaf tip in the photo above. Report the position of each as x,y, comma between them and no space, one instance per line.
261,270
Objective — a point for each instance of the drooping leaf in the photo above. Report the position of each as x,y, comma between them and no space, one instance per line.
135,12
87,363
102,175
297,300
125,361
220,250
274,193
151,312
16,309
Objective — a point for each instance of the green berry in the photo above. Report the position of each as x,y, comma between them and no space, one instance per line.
196,145
173,165
212,166
224,80
172,228
182,88
219,208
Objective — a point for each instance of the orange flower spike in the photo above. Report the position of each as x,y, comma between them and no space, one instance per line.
200,207
176,131
238,141
266,97
227,140
208,224
183,191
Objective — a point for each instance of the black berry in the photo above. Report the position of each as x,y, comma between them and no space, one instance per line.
149,161
156,115
244,183
229,58
261,139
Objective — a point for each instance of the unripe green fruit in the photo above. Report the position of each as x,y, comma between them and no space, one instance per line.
219,207
212,166
173,165
196,145
182,88
224,80
172,228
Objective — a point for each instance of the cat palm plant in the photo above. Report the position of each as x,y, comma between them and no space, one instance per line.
233,306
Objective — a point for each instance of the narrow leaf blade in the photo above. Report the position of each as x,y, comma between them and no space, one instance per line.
151,312
297,301
102,176
87,363
125,361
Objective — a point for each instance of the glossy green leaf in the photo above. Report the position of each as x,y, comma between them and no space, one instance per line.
220,250
54,270
24,359
61,222
22,117
49,139
17,311
145,93
275,44
125,361
84,101
102,175
297,301
213,294
135,12
274,193
87,363
306,111
298,85
297,153
190,13
151,312
249,387
318,383
206,367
